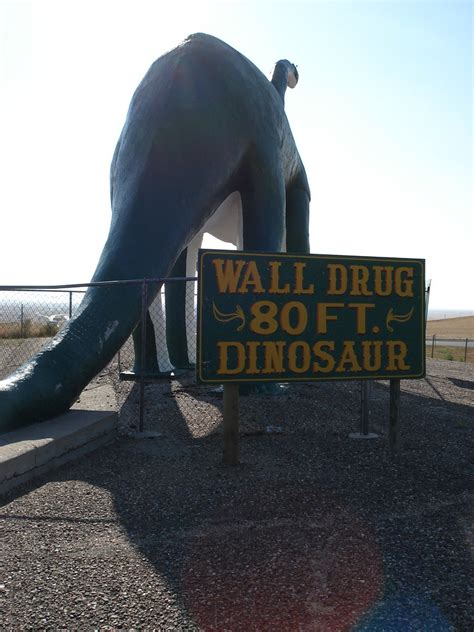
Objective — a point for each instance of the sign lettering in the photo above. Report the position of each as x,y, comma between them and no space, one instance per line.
279,317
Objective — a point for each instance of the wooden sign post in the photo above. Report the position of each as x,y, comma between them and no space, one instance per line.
277,317
394,436
231,424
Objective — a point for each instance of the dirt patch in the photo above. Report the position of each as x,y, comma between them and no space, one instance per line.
196,411
461,327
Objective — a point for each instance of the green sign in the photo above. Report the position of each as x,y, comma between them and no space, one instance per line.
277,317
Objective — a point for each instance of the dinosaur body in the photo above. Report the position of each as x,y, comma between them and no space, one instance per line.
170,341
203,124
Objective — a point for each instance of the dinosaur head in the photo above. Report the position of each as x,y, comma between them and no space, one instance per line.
285,75
292,75
287,71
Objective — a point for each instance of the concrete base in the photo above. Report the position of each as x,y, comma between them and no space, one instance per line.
31,451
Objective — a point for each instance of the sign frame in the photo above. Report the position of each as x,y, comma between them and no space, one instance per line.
299,262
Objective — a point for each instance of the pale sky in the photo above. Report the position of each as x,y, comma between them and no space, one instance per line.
382,116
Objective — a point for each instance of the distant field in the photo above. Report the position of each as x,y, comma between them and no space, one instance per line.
461,327
29,329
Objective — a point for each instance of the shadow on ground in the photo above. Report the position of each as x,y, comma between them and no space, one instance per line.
313,531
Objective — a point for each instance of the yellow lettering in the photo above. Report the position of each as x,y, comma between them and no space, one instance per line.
320,354
337,282
273,357
372,355
228,276
263,321
348,357
299,361
301,318
360,277
404,281
252,357
251,277
322,316
397,351
275,279
383,280
299,289
238,357
361,315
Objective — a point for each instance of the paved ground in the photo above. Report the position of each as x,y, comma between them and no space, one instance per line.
313,531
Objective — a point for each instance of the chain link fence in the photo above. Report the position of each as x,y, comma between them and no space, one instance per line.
168,394
29,319
167,400
458,349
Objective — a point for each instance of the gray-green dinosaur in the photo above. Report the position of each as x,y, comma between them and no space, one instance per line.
203,123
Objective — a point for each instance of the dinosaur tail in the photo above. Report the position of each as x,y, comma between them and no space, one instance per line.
50,382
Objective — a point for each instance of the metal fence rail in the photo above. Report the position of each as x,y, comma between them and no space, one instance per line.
461,343
31,315
29,318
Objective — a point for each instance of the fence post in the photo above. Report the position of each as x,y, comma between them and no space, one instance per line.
433,345
143,358
70,304
22,322
465,350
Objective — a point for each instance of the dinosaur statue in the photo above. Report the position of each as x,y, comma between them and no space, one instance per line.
226,225
203,123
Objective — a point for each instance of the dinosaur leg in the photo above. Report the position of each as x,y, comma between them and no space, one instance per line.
176,337
263,210
297,241
297,220
151,363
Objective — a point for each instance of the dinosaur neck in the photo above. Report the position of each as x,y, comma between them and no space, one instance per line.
280,80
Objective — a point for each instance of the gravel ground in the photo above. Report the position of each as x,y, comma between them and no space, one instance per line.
313,531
